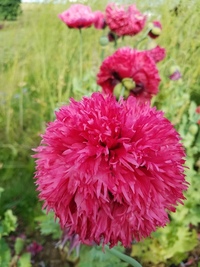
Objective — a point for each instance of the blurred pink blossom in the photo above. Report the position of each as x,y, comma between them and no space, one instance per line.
77,16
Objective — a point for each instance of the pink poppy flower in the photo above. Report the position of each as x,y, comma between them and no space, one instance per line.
124,20
158,53
155,29
99,20
77,16
110,170
130,63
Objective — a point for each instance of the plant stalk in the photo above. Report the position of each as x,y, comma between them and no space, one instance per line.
123,257
81,57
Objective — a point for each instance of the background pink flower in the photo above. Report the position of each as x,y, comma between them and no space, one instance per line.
77,16
130,63
99,20
175,73
110,170
157,53
124,20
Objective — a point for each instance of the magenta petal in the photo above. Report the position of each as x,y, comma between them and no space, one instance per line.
124,20
130,63
110,170
77,16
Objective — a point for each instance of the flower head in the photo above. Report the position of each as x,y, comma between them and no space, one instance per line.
175,73
110,170
99,20
130,63
34,248
77,16
157,53
155,29
124,21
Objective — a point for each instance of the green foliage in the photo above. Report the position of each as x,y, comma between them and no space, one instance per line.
169,245
48,225
39,72
9,9
88,257
96,257
8,224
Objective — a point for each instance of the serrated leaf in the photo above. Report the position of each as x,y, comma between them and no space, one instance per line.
25,260
96,257
9,222
48,225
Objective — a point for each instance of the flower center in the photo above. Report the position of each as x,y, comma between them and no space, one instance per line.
139,88
128,83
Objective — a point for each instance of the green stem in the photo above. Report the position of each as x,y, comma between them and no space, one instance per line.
122,92
123,257
81,57
115,43
142,39
102,53
145,36
21,109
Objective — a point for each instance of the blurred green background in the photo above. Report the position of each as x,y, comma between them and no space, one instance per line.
39,71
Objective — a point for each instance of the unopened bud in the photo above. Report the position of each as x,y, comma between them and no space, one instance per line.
193,129
156,31
117,90
151,45
103,40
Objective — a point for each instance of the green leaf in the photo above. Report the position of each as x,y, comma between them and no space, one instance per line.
171,244
5,255
191,110
48,225
19,245
9,223
25,260
96,257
